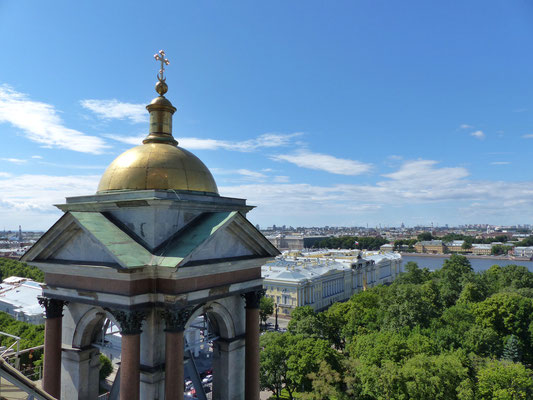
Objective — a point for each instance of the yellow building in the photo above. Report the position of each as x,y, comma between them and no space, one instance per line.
323,278
430,246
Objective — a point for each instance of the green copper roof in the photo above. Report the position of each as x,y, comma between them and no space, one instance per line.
193,236
122,247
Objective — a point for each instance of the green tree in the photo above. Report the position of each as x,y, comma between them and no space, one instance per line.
434,377
370,381
333,322
414,274
273,362
506,313
106,367
499,249
411,305
472,292
466,245
453,275
304,358
425,236
306,322
10,267
266,308
504,380
365,312
326,383
513,349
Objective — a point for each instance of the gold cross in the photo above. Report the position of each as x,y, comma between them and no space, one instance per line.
160,56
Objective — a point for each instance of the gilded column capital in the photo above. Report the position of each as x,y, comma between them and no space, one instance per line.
253,298
53,308
176,318
130,321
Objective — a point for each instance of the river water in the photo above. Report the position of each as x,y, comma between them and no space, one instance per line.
478,264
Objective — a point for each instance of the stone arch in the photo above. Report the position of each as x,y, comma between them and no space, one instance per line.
219,316
89,325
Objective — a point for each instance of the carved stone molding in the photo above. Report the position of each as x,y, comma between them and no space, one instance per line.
130,321
253,298
176,318
53,308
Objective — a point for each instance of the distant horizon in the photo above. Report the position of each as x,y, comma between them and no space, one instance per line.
340,113
327,226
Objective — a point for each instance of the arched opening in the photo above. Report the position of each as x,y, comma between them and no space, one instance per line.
96,332
207,334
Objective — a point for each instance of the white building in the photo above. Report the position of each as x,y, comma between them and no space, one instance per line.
521,251
18,298
320,279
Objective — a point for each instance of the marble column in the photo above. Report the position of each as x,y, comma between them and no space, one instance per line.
52,345
175,320
130,358
251,358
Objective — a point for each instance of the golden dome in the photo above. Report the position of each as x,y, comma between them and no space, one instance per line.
157,166
158,163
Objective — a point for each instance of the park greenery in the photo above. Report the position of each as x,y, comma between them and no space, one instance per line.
443,335
9,267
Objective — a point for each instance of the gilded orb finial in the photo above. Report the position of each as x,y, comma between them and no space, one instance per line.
161,87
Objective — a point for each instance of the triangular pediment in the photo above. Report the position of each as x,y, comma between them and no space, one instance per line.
216,236
93,238
88,237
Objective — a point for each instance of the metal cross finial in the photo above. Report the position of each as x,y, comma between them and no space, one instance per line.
160,56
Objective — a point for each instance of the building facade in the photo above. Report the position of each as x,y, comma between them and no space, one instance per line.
321,280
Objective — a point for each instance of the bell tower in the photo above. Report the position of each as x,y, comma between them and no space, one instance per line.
153,249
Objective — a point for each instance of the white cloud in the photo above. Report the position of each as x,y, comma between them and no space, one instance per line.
528,136
478,134
45,190
41,123
500,163
466,126
267,140
37,157
114,109
251,174
133,140
239,175
14,160
324,162
423,174
281,179
73,166
422,183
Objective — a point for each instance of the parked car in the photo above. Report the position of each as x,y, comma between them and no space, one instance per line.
207,379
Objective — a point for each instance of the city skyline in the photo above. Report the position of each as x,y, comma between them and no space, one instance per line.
342,114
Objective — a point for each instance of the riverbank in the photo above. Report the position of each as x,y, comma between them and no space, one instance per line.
471,256
478,263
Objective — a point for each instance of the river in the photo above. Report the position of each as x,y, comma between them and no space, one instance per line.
478,264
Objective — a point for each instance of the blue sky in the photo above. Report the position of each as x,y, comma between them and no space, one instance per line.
320,113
